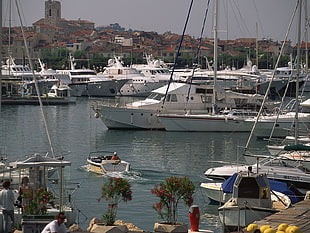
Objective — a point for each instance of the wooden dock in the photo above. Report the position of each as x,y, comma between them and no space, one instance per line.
297,215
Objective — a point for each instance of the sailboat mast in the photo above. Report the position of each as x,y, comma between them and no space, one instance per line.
215,54
306,38
297,72
256,42
0,55
36,83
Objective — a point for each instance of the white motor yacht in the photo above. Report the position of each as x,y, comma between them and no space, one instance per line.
180,98
138,84
157,70
89,83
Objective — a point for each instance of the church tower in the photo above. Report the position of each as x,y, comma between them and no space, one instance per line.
52,12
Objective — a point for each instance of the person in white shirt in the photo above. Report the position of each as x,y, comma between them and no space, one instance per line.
57,225
7,200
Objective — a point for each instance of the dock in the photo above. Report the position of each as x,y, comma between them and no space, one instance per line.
34,100
297,215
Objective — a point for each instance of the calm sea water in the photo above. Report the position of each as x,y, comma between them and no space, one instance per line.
154,156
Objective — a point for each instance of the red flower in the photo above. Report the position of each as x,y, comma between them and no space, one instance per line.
170,193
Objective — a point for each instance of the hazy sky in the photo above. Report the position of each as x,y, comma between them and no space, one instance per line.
237,18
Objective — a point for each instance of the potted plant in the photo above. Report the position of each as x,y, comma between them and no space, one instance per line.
114,191
38,200
170,193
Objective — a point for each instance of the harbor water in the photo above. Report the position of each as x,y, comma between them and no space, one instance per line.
154,156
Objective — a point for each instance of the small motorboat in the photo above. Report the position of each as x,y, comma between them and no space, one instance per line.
102,162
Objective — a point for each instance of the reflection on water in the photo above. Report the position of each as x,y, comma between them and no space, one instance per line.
154,156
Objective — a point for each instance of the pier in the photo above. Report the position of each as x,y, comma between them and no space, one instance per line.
34,100
297,215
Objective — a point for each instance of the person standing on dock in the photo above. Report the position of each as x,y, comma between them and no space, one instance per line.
7,201
25,192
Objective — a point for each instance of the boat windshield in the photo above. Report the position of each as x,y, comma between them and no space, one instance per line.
156,96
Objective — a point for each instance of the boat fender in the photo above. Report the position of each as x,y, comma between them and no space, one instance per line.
270,230
282,227
292,229
264,227
252,227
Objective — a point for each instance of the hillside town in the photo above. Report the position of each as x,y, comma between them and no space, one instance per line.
55,32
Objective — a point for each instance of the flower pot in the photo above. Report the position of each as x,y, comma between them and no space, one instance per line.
173,228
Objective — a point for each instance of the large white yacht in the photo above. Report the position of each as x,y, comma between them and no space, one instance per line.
157,69
89,83
180,98
15,77
283,82
138,84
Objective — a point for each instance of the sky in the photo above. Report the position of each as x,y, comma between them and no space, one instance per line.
236,18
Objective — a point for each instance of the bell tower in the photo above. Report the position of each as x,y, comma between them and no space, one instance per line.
52,12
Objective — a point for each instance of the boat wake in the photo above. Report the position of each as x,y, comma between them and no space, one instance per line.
130,175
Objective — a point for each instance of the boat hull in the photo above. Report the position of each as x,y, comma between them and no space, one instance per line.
284,123
235,217
215,192
108,88
77,88
129,118
140,89
211,123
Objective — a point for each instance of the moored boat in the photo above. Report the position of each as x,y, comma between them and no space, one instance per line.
180,98
251,201
137,85
275,168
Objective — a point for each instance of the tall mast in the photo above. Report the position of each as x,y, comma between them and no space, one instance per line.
297,72
215,54
256,45
0,55
35,82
